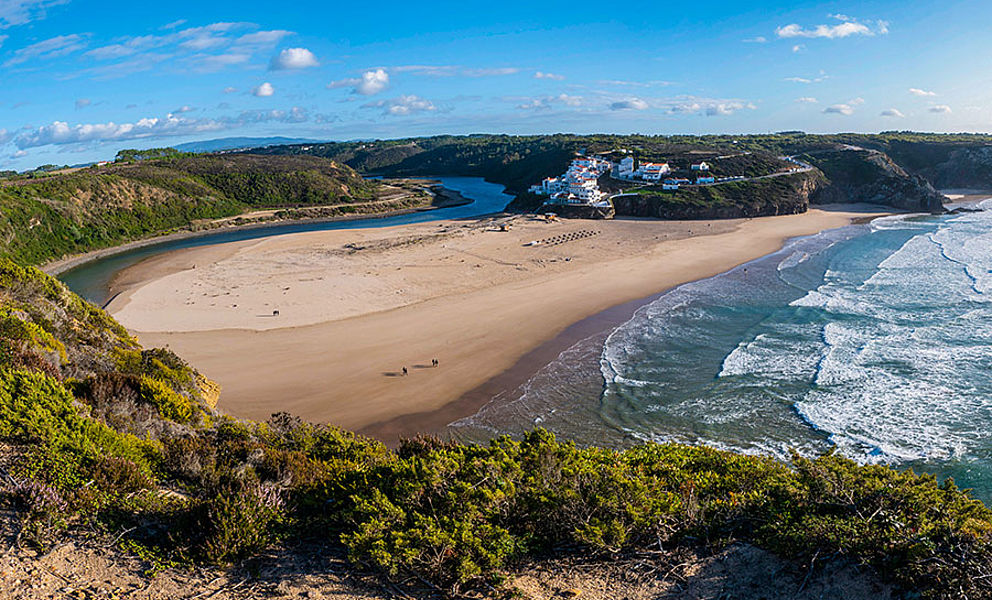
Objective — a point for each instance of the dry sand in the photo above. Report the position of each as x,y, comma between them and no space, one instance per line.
356,306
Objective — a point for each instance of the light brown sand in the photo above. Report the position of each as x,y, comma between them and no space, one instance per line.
356,306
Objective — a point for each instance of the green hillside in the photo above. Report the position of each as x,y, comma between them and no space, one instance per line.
47,217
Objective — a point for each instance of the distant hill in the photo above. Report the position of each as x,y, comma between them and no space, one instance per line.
46,217
239,143
898,169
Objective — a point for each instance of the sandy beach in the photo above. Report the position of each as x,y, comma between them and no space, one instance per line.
354,307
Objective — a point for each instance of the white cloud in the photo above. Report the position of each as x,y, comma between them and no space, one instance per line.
230,89
61,133
756,40
263,90
727,108
211,63
83,103
452,70
710,107
183,109
370,83
919,92
403,105
856,101
293,115
5,136
940,109
174,24
893,112
48,49
846,28
798,48
494,72
818,79
631,104
19,12
203,49
3,38
807,100
292,59
543,75
273,36
839,109
547,102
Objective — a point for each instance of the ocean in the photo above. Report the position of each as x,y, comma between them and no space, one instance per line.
874,340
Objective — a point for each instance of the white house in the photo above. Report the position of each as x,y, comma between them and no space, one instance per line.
626,168
653,171
701,167
701,180
669,186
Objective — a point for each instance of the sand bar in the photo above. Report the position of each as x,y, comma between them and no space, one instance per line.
356,306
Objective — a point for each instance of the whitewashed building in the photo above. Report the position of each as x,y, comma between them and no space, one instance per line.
625,170
578,185
652,171
701,167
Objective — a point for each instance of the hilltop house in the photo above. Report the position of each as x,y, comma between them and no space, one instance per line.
625,169
701,167
652,171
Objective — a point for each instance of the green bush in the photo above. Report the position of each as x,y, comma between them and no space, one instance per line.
238,519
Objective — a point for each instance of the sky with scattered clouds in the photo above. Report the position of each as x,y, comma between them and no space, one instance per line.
81,79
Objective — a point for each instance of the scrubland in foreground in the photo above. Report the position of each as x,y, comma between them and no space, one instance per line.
104,438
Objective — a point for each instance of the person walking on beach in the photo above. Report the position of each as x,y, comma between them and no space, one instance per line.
404,371
434,362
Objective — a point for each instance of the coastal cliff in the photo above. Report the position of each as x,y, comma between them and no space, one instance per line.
784,195
872,177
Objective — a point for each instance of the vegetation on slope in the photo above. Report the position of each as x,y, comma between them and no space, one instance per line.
46,218
86,449
783,195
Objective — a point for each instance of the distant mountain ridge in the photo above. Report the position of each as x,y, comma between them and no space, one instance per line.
238,143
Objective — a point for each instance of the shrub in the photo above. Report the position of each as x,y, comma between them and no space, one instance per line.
237,520
43,512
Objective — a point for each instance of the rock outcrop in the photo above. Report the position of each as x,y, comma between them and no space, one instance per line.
785,195
872,177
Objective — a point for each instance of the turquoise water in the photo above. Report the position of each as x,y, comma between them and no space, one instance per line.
873,339
92,279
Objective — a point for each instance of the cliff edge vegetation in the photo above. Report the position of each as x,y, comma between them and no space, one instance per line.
103,438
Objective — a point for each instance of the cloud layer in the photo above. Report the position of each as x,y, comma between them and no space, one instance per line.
846,28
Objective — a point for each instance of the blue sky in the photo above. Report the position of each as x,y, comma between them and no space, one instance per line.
81,79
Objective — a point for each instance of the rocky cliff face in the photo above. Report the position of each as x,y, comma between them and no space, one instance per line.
969,167
786,195
869,176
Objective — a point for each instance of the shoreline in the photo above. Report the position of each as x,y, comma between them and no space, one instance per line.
59,266
437,421
344,370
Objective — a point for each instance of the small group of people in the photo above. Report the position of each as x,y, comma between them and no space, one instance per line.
434,364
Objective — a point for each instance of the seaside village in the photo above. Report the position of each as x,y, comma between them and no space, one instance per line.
579,185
